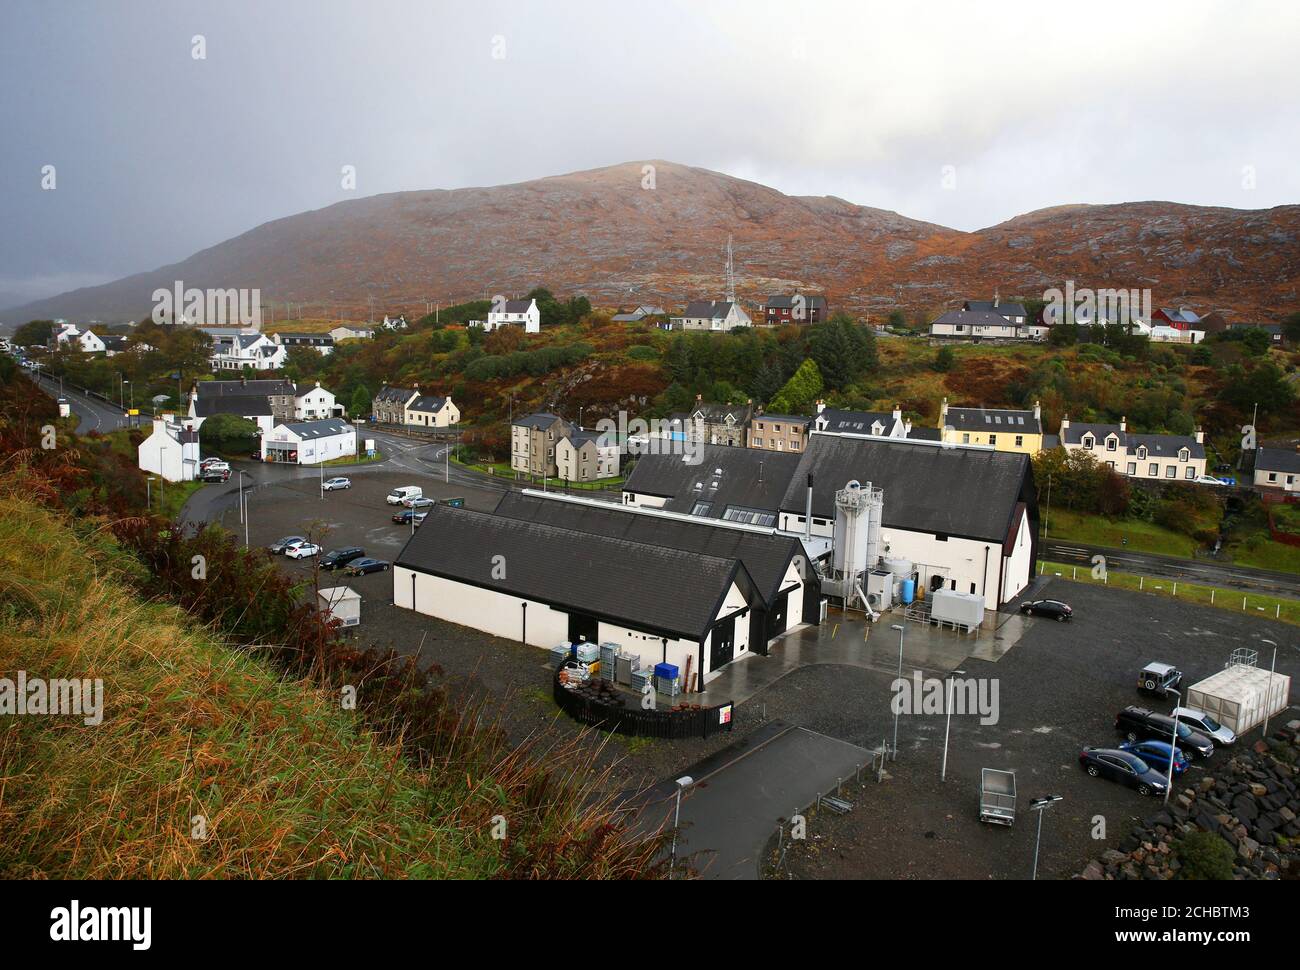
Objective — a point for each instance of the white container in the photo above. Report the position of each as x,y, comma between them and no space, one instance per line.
340,603
1241,697
902,568
964,609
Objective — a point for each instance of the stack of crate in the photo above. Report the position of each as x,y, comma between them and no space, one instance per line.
608,658
641,677
560,654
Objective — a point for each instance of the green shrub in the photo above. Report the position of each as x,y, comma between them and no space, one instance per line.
1203,855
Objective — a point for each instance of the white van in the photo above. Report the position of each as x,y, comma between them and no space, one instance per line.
399,495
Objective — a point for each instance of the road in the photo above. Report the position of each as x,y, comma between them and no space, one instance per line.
92,413
1170,567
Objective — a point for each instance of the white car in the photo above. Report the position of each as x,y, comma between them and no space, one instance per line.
302,550
332,483
1200,721
1209,480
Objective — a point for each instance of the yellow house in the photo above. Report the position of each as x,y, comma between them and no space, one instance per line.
1005,430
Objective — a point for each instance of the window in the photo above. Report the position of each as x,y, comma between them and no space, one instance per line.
1191,472
1272,477
1020,441
1088,441
1132,468
993,439
1183,455
965,439
1171,472
794,446
1111,443
1153,470
758,442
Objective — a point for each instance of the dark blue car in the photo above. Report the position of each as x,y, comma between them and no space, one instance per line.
1156,754
1123,767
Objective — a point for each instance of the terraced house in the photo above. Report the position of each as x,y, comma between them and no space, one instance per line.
1000,428
533,440
390,404
1153,456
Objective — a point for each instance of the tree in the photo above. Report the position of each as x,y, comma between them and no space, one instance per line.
944,360
800,391
229,433
34,332
360,404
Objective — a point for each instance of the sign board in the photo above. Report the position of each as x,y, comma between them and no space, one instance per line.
370,445
134,412
724,714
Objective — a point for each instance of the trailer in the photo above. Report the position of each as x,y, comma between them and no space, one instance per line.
997,796
1240,697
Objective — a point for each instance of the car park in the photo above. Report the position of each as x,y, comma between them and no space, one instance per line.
1140,724
280,546
302,550
333,484
338,558
1052,609
1156,754
1158,679
1220,734
359,567
1123,767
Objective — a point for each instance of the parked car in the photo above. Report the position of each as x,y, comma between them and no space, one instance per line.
1209,480
1158,679
1139,724
1052,609
1220,734
359,567
399,495
215,465
338,558
1156,754
215,475
280,546
330,484
303,550
418,502
405,516
1123,767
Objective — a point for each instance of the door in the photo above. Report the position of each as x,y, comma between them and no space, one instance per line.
583,627
724,643
776,618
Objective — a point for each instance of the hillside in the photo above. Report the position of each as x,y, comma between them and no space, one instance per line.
601,233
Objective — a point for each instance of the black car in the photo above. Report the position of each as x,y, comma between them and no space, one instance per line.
338,558
1052,609
1139,724
1123,767
359,567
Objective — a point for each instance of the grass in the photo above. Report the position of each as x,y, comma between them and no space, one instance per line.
356,459
169,497
1094,530
1271,607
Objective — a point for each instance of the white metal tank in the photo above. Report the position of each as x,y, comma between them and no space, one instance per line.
902,568
856,542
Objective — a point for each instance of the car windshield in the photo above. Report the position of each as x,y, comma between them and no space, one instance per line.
1210,722
1183,730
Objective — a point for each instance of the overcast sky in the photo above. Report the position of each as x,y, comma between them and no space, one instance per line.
158,154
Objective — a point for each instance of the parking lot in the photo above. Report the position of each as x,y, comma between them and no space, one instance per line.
1059,688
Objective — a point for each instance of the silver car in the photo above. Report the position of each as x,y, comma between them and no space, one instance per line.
1200,721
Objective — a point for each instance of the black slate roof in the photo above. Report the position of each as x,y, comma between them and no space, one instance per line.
647,587
750,479
766,557
429,403
974,318
994,420
273,386
1285,460
969,492
541,420
244,405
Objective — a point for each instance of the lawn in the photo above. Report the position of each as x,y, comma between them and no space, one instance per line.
1225,599
1095,530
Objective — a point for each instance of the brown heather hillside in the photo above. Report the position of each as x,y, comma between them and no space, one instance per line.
602,234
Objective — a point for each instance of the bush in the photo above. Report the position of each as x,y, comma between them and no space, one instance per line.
944,360
1203,855
642,352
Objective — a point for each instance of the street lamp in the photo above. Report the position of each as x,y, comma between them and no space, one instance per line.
684,782
1272,671
899,628
943,772
1173,743
240,473
1041,805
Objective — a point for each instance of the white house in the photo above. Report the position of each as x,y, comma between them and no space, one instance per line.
310,442
255,350
349,332
172,451
1278,468
87,341
313,402
879,423
394,323
1156,456
322,343
431,411
716,316
515,313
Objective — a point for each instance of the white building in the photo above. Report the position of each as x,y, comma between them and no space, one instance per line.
715,316
310,442
586,456
172,451
1278,468
349,332
397,322
1169,457
322,343
255,350
86,341
431,411
515,313
313,403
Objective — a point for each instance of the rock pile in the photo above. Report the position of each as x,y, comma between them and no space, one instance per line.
1251,800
